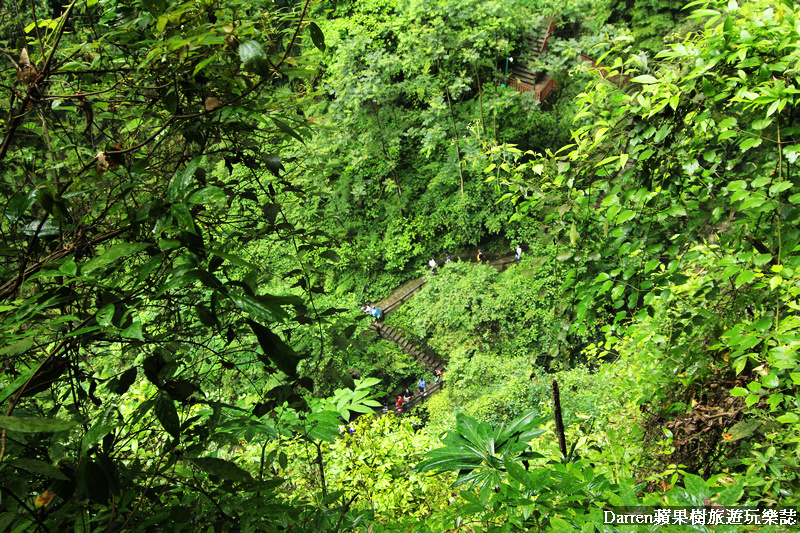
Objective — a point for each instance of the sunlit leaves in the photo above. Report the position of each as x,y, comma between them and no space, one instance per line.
358,400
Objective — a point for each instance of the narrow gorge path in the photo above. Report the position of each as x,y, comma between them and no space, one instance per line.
412,345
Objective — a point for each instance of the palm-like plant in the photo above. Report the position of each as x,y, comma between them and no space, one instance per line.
479,453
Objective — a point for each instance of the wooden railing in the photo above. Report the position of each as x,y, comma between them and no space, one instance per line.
544,88
519,86
548,33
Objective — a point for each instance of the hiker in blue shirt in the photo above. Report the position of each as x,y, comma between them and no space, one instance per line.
422,386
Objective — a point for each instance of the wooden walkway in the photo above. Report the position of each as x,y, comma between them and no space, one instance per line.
521,77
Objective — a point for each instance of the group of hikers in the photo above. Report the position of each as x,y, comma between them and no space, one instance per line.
373,311
407,394
482,259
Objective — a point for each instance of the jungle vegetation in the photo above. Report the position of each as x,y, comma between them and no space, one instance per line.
196,198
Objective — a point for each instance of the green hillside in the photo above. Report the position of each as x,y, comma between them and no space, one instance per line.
200,199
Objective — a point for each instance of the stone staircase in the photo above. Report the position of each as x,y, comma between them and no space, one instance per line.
417,399
409,343
407,290
401,295
421,352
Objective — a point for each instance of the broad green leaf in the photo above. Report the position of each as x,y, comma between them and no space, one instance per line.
105,315
524,427
696,485
126,380
114,253
276,350
35,425
762,259
743,429
778,188
564,255
253,56
644,78
366,383
750,142
770,381
39,467
317,36
662,133
207,195
727,27
447,459
625,216
761,124
17,383
788,418
285,128
17,348
745,277
221,468
176,191
97,432
167,414
69,267
134,331
183,216
732,493
260,307
331,255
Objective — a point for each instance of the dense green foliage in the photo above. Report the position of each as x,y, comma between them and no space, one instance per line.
197,197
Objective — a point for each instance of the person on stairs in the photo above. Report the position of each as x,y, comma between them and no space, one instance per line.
373,311
399,404
432,264
422,386
481,256
518,255
407,395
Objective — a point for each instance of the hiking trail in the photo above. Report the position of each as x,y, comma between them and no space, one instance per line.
418,349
